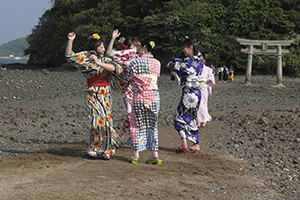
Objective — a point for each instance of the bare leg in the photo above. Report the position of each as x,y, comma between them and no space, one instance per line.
154,159
154,155
135,158
136,154
184,144
195,147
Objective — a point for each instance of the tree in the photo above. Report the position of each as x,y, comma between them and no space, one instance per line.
215,25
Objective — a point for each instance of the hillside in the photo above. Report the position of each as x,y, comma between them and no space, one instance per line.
14,47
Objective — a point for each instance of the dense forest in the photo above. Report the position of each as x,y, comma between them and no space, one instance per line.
214,24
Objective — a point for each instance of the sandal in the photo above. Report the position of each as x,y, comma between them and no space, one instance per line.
91,154
192,150
203,124
181,150
133,160
154,161
105,156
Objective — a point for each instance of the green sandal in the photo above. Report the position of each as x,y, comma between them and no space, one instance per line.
133,160
154,161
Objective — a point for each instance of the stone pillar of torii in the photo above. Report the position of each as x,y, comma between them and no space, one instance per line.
264,50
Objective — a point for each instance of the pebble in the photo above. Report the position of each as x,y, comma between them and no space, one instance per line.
260,123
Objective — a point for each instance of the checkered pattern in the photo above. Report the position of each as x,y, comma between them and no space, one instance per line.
142,74
140,66
144,132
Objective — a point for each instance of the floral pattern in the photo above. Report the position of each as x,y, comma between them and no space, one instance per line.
103,137
188,71
124,57
190,100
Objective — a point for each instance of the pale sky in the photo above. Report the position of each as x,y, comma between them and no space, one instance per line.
18,17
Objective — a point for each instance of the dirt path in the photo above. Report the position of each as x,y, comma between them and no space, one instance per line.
65,173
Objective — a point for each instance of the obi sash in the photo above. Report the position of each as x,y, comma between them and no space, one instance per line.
98,81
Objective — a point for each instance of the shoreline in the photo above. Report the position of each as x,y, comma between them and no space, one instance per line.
13,58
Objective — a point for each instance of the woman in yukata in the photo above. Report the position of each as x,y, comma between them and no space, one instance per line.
102,75
189,70
206,89
142,74
123,57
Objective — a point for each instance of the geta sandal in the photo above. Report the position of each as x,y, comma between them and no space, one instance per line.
181,150
91,154
133,160
192,150
105,156
154,161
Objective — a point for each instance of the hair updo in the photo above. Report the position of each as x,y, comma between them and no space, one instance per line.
150,44
188,42
129,41
94,42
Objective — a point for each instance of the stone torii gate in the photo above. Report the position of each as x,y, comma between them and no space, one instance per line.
264,50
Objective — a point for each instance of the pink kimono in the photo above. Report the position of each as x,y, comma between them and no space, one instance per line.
206,89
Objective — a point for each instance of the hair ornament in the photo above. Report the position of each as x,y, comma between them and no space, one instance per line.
152,44
95,36
121,40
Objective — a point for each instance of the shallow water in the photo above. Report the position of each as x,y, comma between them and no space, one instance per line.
10,61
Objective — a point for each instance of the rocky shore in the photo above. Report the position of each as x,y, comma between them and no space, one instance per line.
43,108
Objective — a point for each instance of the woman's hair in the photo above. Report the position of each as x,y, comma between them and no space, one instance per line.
94,43
150,44
130,41
188,42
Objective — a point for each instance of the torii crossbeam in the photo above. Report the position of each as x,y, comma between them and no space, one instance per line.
264,50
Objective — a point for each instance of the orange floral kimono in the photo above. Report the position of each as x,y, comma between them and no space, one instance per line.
103,137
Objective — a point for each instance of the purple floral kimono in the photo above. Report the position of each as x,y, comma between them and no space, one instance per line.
189,73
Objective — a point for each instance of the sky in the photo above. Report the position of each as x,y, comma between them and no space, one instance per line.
18,17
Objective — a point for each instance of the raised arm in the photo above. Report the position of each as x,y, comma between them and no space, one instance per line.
107,66
114,35
71,37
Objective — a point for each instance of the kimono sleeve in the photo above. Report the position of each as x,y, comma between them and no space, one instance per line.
123,57
128,72
116,77
81,61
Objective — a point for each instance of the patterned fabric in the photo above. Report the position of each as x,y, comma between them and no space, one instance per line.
206,90
103,137
83,63
189,70
127,96
142,74
124,58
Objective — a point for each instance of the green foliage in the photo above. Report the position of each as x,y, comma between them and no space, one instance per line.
215,25
291,61
15,47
